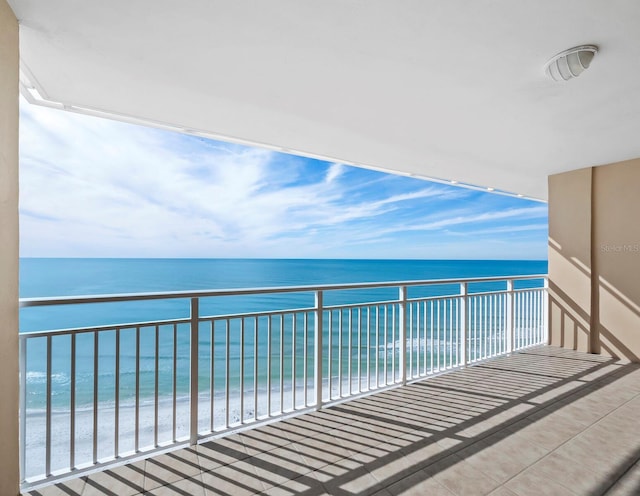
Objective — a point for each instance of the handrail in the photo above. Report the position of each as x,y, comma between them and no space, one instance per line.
301,358
73,300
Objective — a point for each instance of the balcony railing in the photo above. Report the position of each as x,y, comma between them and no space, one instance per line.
95,395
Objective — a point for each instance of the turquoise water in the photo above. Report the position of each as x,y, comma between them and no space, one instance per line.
42,277
68,277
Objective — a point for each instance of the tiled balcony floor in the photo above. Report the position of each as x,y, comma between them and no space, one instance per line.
545,421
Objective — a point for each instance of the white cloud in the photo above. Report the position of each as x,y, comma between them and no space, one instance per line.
504,230
99,188
334,172
94,187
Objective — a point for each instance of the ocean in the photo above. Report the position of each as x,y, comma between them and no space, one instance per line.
40,277
48,277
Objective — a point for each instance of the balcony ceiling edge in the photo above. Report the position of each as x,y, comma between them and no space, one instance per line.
449,91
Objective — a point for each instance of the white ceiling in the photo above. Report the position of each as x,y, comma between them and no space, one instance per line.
449,89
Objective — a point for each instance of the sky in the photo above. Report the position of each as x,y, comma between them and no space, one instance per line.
92,187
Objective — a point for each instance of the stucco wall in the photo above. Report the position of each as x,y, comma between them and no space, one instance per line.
616,255
9,465
594,259
570,259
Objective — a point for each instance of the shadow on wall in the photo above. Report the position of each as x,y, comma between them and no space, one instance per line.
619,322
604,320
569,301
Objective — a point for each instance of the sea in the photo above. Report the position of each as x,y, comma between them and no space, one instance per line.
56,277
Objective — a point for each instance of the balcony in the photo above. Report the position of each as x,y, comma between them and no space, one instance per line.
523,424
198,396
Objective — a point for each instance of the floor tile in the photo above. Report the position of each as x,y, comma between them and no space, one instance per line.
73,487
461,478
126,480
542,418
185,487
419,484
530,482
170,467
238,479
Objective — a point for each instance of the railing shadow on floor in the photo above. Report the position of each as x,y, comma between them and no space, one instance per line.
404,436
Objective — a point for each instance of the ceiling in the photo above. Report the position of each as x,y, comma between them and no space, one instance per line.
451,89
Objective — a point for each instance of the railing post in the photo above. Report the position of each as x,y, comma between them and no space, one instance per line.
463,324
402,324
510,330
545,310
193,374
23,406
318,349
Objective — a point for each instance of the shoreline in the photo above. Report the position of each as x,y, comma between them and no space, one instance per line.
84,426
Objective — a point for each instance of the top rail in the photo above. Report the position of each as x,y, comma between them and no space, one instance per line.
75,300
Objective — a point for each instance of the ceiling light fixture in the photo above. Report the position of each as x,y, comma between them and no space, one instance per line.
570,63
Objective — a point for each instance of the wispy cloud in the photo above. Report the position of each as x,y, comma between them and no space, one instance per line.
334,172
93,187
523,228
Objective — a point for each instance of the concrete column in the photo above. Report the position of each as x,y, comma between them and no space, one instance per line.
594,259
9,67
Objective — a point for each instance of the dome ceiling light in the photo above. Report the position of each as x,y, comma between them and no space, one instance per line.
570,63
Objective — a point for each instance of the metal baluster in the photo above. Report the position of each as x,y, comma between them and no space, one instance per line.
386,352
243,357
509,318
439,304
269,366
350,351
227,378
212,383
193,373
281,363
393,343
368,348
340,344
255,368
175,381
95,396
47,469
359,350
417,344
293,360
402,334
410,351
137,401
377,346
23,407
318,348
304,358
545,312
72,402
330,355
156,387
424,332
450,333
431,337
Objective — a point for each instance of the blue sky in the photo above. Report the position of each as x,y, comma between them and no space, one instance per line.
92,187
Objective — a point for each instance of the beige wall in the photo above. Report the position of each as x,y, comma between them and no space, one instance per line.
570,259
616,253
594,259
9,465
